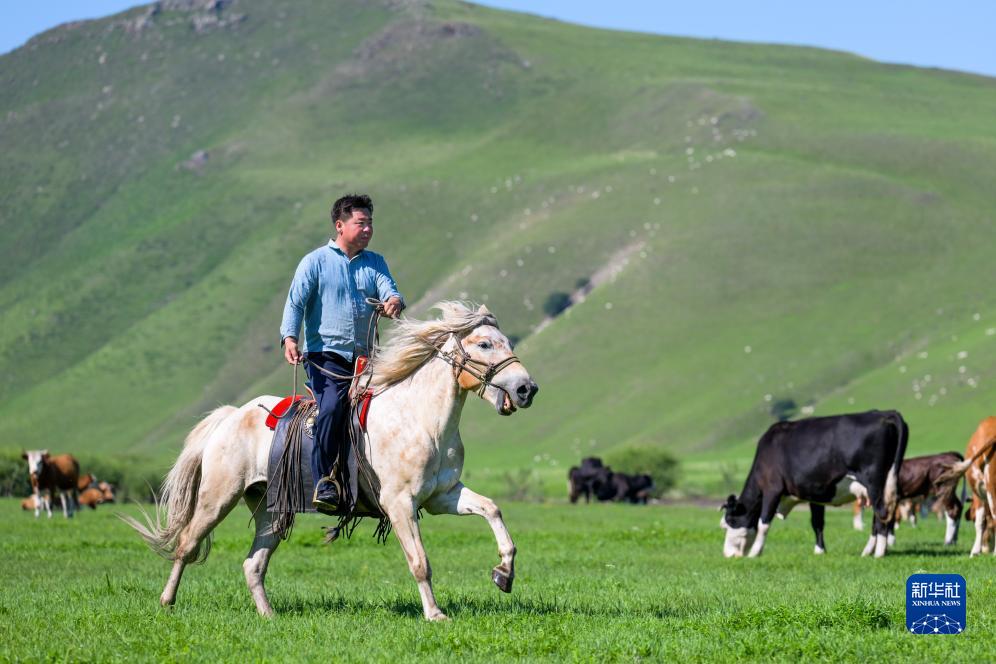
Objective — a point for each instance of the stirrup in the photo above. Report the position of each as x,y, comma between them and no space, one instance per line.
322,505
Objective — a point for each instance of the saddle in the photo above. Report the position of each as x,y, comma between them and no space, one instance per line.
292,484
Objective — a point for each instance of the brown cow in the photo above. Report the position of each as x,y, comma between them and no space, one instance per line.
51,474
922,476
91,497
85,481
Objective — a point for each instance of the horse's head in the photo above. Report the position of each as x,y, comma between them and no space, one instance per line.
492,369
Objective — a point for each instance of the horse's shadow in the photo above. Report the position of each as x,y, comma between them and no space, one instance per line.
472,606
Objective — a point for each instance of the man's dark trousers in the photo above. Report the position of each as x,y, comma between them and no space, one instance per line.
332,395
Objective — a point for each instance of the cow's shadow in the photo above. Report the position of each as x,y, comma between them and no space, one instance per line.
946,552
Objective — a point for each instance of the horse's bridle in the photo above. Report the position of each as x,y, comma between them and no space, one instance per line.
461,361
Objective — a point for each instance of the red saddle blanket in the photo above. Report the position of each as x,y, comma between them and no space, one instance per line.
364,407
277,411
280,409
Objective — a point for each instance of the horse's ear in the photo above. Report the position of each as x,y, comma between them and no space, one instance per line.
24,455
45,455
484,311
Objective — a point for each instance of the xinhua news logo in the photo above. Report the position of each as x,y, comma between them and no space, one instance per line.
935,604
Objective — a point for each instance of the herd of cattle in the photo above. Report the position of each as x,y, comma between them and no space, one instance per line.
821,461
838,459
60,475
593,478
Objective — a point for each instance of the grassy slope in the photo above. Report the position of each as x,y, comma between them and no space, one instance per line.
605,583
509,160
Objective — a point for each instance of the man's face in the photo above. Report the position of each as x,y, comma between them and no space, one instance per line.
356,231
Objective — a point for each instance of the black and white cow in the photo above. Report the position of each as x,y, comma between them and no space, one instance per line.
822,461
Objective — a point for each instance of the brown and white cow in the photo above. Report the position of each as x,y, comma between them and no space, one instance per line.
921,477
51,474
981,476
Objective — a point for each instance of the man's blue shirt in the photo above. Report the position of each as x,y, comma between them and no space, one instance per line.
328,294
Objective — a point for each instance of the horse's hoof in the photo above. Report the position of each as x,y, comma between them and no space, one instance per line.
438,617
502,579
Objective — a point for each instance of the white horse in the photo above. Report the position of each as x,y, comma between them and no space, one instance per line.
421,380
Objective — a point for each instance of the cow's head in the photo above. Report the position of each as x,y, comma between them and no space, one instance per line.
36,459
107,491
739,529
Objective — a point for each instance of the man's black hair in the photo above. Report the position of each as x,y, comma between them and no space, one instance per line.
343,208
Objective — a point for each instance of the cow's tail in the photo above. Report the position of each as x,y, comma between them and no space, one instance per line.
178,497
958,469
891,492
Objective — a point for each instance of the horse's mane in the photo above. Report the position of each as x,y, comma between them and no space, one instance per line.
416,340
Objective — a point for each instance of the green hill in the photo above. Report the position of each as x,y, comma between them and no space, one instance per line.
740,224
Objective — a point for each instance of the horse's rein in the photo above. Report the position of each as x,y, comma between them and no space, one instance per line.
484,372
466,363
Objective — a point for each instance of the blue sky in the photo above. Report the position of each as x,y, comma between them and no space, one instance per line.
952,34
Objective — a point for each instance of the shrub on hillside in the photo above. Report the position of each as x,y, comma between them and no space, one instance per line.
556,303
14,480
639,459
784,409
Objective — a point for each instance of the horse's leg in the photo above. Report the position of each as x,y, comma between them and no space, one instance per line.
48,503
461,500
65,505
263,546
402,515
214,502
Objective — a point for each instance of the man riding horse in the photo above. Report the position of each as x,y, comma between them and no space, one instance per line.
329,294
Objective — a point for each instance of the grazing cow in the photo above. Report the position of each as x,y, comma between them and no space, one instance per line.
908,509
919,478
822,461
635,489
51,474
91,497
590,478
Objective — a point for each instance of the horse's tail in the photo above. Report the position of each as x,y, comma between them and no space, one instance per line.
178,497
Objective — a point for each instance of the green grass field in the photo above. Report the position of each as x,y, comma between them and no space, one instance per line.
594,583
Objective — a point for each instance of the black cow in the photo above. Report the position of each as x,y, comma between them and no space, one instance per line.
630,488
822,461
591,478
